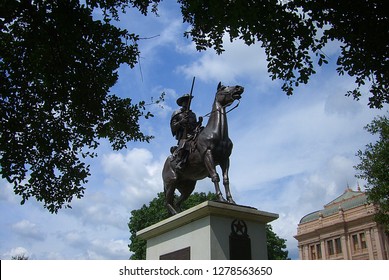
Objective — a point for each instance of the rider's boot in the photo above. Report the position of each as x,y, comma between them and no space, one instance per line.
182,158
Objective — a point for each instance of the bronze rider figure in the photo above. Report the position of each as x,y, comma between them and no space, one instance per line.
183,125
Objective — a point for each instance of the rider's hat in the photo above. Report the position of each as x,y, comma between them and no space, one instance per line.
183,98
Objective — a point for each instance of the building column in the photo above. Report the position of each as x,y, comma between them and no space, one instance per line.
379,244
301,252
345,248
306,252
349,247
370,244
323,250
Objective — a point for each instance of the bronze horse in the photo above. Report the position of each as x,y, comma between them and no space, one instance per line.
213,147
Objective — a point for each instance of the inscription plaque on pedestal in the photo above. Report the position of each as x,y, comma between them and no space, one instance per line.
183,254
240,243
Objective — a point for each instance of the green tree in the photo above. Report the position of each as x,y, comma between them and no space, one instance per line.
275,245
374,168
156,212
20,257
57,65
294,34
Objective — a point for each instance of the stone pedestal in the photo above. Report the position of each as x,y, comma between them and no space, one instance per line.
210,231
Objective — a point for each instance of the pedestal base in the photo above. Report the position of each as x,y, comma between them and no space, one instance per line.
210,231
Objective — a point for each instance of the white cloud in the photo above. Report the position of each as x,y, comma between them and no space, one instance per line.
93,245
108,249
8,195
295,135
74,238
135,174
29,230
237,62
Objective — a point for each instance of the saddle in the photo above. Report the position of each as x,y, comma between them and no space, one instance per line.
180,154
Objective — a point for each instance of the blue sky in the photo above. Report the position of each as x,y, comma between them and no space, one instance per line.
291,154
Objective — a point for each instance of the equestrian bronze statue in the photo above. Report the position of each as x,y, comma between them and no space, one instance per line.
207,148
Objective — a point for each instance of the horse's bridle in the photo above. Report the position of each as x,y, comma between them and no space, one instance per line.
224,106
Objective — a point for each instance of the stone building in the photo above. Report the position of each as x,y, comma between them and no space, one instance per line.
343,230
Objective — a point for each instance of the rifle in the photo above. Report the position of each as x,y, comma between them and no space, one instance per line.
188,108
190,95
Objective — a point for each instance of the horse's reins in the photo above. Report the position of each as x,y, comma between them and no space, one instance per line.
233,108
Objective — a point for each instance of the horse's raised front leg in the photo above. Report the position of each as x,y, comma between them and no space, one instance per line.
210,164
225,166
185,188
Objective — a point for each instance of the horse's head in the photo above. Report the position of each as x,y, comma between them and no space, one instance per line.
225,95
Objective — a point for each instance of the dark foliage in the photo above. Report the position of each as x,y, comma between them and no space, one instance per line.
374,168
57,65
294,34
